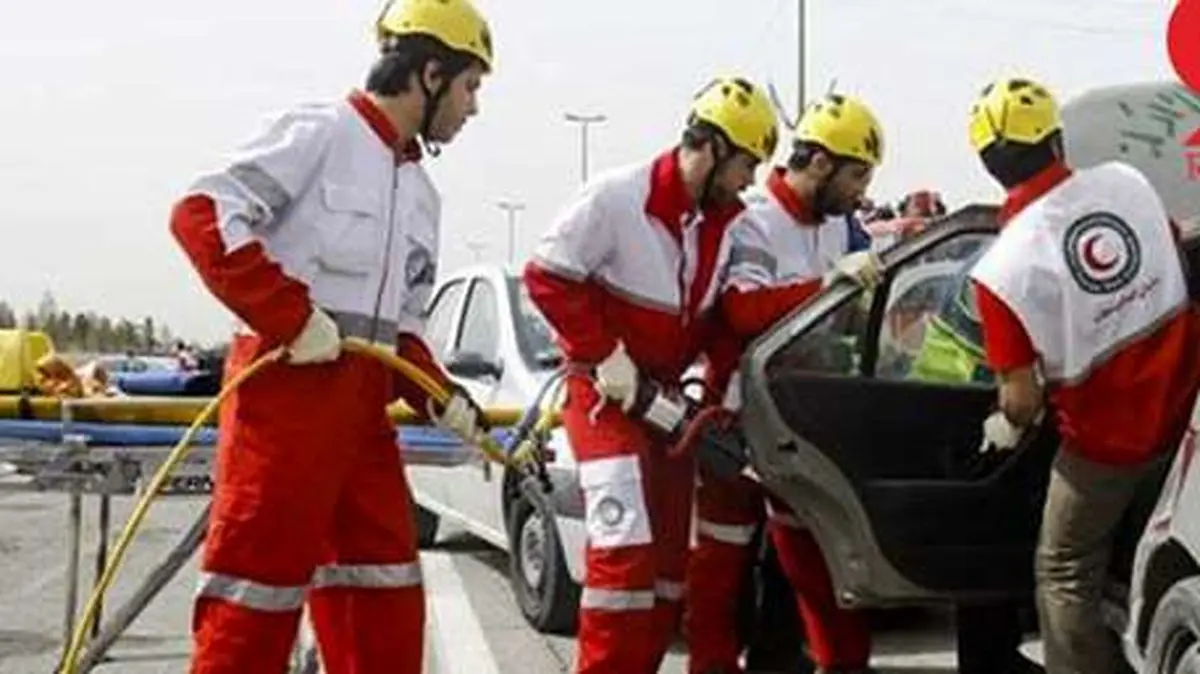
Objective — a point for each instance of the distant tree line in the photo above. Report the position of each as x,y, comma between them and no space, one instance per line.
89,331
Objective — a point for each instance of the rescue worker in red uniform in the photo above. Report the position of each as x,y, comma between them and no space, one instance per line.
325,226
798,234
627,277
1082,298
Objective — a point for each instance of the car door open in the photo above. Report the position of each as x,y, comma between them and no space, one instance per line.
879,459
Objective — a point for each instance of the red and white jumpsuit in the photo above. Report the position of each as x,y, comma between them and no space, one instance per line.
322,208
778,258
631,261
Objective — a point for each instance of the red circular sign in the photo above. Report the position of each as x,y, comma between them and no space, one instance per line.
1183,42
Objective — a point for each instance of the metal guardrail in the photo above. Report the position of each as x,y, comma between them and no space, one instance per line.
62,459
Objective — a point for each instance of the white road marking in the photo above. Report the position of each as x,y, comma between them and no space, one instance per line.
459,645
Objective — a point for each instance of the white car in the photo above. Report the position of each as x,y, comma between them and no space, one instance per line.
1162,633
494,343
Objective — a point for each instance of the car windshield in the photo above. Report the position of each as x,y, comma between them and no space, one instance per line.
534,336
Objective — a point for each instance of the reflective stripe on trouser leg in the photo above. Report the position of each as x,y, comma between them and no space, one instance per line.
616,617
227,606
728,513
616,623
275,482
674,483
728,510
729,534
368,576
283,482
619,592
367,605
250,594
714,580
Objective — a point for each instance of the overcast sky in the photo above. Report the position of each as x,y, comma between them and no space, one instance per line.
109,109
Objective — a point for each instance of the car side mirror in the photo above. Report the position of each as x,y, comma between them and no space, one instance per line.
471,365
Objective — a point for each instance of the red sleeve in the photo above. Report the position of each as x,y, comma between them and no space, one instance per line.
1004,338
413,349
247,281
750,312
720,360
575,309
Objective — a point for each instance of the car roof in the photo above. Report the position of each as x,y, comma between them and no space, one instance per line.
496,272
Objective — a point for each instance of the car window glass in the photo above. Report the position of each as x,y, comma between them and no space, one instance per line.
833,345
930,329
481,324
441,317
534,335
919,288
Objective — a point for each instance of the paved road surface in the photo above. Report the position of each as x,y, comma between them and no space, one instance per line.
475,627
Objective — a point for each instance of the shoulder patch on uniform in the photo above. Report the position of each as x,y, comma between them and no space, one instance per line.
1102,252
419,267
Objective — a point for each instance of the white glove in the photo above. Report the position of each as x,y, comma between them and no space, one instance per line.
862,267
318,342
461,416
1000,434
617,378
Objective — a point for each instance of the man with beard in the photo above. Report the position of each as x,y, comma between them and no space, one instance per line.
800,234
627,277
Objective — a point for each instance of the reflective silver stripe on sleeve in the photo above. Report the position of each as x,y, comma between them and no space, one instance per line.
251,594
750,255
669,590
262,185
732,534
375,576
616,600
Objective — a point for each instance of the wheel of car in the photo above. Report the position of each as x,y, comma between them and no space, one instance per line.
427,526
1175,631
546,593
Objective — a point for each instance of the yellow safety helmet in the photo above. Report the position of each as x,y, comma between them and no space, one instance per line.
1015,110
740,110
844,126
456,23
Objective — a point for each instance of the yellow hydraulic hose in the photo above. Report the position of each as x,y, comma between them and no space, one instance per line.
486,443
529,450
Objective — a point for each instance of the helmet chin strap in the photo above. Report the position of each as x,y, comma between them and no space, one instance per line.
432,99
720,157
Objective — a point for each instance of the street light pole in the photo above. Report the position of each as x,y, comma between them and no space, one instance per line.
803,47
511,207
477,248
584,121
